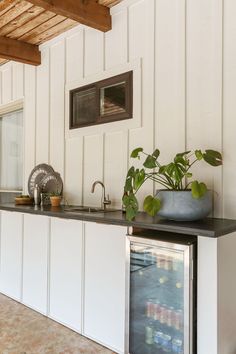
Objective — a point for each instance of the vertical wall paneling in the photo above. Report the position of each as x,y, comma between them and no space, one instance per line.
229,122
170,77
74,171
115,167
75,55
179,45
116,40
17,81
204,84
74,147
57,106
29,121
93,51
141,45
42,110
93,169
7,83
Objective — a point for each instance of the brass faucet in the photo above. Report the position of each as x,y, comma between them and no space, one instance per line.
105,200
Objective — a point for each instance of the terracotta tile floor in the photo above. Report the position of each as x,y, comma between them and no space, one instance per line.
24,331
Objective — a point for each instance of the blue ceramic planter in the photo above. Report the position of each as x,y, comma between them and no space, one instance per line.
181,206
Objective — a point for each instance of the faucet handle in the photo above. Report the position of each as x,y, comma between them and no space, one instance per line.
107,201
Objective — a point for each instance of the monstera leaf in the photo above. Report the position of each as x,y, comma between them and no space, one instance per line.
214,158
151,205
198,189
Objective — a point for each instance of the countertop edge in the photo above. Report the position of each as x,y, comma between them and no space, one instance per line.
118,219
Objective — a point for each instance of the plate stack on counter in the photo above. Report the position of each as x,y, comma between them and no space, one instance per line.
43,182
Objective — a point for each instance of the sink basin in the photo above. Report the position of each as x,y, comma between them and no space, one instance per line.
86,209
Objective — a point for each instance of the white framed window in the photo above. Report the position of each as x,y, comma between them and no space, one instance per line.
11,150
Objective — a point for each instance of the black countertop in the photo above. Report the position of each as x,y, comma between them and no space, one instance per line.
209,227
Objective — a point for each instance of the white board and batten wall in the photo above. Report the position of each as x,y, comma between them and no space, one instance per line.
186,53
186,74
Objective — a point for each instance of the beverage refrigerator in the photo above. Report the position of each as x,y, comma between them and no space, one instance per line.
162,294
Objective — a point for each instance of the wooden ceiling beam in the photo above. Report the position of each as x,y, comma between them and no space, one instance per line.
86,12
13,49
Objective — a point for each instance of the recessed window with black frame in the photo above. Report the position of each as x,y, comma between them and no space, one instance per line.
102,102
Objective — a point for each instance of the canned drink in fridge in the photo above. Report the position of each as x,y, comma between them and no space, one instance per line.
156,310
166,343
158,339
178,319
177,346
149,334
170,317
163,314
149,308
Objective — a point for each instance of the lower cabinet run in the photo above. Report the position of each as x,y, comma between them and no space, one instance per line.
66,259
11,254
35,262
104,285
68,270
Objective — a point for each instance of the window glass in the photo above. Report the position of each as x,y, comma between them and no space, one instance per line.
11,151
112,99
84,107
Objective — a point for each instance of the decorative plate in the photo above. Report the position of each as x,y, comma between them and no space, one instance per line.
36,176
52,183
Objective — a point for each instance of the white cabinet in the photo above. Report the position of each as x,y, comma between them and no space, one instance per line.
66,259
35,262
104,288
71,271
11,254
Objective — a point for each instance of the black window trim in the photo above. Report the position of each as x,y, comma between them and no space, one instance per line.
126,77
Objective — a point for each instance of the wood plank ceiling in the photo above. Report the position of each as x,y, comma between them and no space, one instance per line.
33,25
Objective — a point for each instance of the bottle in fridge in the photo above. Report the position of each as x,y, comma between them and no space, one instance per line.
162,311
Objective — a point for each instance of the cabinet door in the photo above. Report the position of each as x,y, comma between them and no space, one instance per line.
35,262
104,290
11,254
66,272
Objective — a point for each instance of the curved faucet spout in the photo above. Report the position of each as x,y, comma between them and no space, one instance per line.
94,185
105,201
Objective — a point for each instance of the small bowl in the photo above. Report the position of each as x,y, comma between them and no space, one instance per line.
24,201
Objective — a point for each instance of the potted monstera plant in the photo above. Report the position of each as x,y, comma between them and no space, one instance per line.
182,198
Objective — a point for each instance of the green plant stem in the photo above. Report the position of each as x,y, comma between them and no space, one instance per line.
156,174
191,165
168,180
166,176
188,184
154,179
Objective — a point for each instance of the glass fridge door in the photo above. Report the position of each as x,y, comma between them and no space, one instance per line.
160,308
